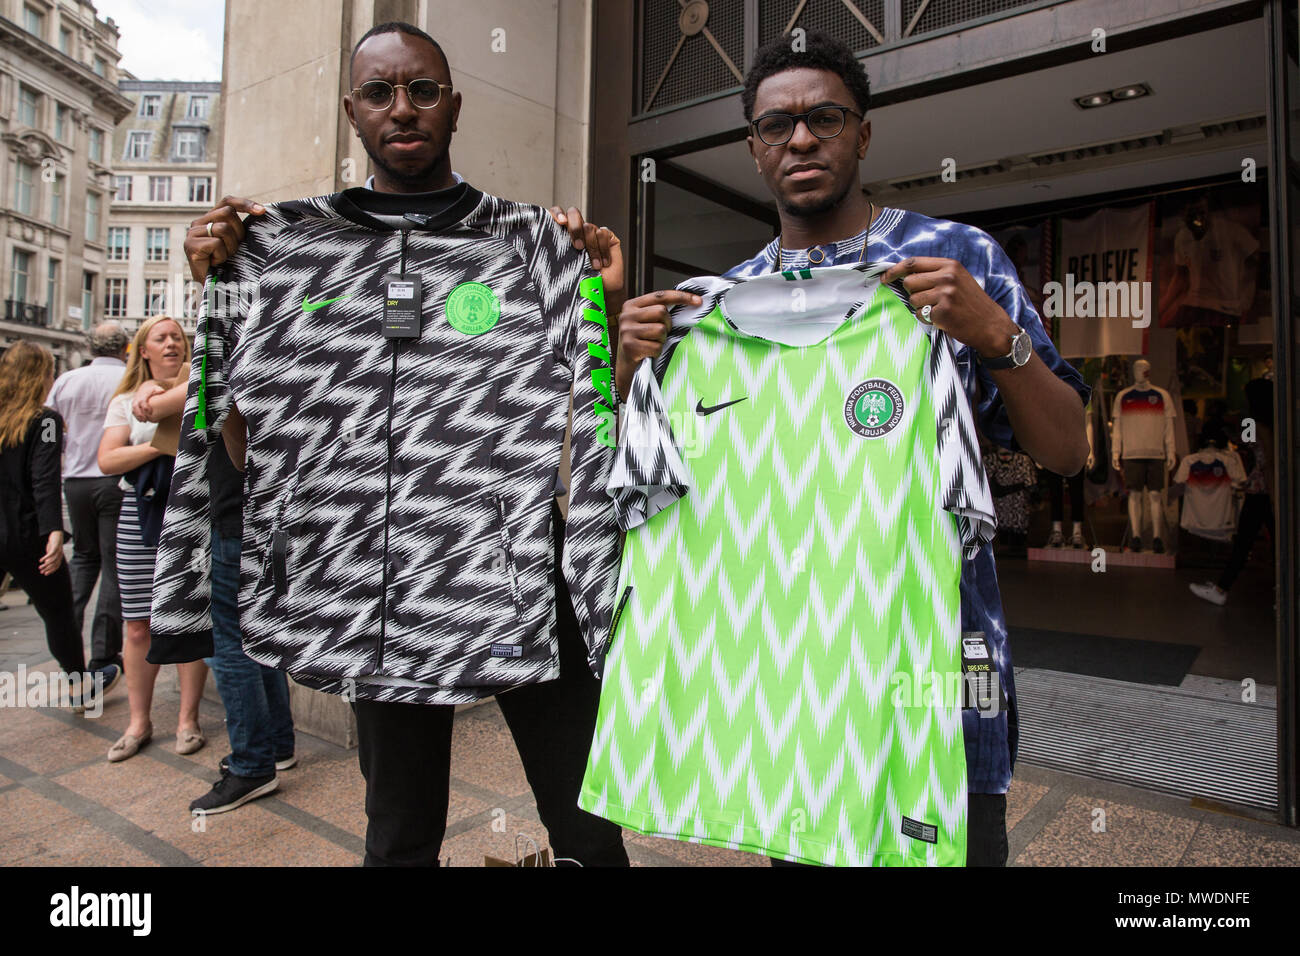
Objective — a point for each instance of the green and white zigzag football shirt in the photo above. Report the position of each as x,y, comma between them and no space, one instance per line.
784,671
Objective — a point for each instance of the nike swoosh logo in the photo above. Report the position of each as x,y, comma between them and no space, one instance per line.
308,306
701,409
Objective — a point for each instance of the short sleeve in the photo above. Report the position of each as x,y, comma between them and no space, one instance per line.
1003,286
119,412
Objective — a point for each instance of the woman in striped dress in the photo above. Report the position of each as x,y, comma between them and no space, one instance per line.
158,354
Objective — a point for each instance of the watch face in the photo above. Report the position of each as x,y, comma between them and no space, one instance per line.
1021,348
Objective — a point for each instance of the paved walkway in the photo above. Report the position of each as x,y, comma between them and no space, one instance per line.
63,804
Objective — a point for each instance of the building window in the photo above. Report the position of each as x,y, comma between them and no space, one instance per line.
187,145
122,186
160,189
34,21
201,189
100,67
65,41
22,272
56,199
23,187
155,297
138,142
96,145
87,299
28,103
198,108
115,298
61,123
156,248
92,217
51,285
151,106
119,243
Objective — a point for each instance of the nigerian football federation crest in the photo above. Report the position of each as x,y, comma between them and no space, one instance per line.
874,408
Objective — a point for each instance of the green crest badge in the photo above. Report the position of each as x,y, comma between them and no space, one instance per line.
472,308
874,408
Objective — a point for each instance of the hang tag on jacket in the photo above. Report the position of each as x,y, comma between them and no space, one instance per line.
402,301
981,686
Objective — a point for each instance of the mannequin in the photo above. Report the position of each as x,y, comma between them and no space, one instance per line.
1142,438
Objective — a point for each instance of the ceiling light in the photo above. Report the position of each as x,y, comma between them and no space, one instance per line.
1092,100
1131,92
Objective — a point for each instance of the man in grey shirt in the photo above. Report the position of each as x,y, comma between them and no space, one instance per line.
81,396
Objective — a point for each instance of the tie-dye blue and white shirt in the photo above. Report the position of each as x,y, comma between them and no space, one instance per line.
895,235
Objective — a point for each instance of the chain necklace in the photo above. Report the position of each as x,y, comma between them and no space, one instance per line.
871,218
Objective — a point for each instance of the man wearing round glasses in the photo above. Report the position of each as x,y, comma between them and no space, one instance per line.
516,290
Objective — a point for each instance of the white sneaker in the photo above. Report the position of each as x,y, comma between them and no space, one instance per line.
1209,592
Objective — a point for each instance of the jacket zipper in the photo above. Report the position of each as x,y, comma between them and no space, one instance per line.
388,482
512,580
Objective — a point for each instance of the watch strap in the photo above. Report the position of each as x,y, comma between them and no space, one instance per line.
1008,360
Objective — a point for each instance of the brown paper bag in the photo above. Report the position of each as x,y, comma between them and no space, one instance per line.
536,858
167,438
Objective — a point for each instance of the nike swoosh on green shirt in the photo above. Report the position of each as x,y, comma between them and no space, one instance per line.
309,306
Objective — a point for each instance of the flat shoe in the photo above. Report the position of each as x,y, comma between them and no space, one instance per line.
189,741
128,745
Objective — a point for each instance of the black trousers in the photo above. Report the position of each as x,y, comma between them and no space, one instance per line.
1256,514
1055,496
405,756
93,506
986,831
52,597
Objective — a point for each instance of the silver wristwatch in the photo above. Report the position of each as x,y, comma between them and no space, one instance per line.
1021,348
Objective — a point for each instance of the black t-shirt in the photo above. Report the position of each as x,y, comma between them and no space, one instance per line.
227,484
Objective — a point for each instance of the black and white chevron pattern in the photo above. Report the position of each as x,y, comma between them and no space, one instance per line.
440,452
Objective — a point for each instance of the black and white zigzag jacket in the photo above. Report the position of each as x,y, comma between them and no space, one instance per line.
397,501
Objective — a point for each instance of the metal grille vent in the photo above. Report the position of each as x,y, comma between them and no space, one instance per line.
836,17
1098,150
963,175
676,67
1162,738
939,14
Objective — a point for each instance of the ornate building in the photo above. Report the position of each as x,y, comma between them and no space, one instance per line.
59,103
164,176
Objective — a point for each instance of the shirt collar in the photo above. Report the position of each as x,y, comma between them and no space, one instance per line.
107,360
842,252
370,180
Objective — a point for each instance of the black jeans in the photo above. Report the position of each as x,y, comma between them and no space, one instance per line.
1256,514
93,506
51,595
405,756
986,831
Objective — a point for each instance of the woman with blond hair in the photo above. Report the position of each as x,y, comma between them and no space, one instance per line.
31,502
160,353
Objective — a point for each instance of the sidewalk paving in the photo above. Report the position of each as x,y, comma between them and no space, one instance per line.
63,804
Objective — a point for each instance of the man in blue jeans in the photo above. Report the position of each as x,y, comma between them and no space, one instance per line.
256,698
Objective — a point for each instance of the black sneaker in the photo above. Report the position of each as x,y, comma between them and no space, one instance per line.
1158,546
231,792
90,696
281,763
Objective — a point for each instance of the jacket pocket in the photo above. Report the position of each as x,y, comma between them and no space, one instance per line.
275,549
507,554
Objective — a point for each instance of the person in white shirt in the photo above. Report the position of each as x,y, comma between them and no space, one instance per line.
161,350
94,499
